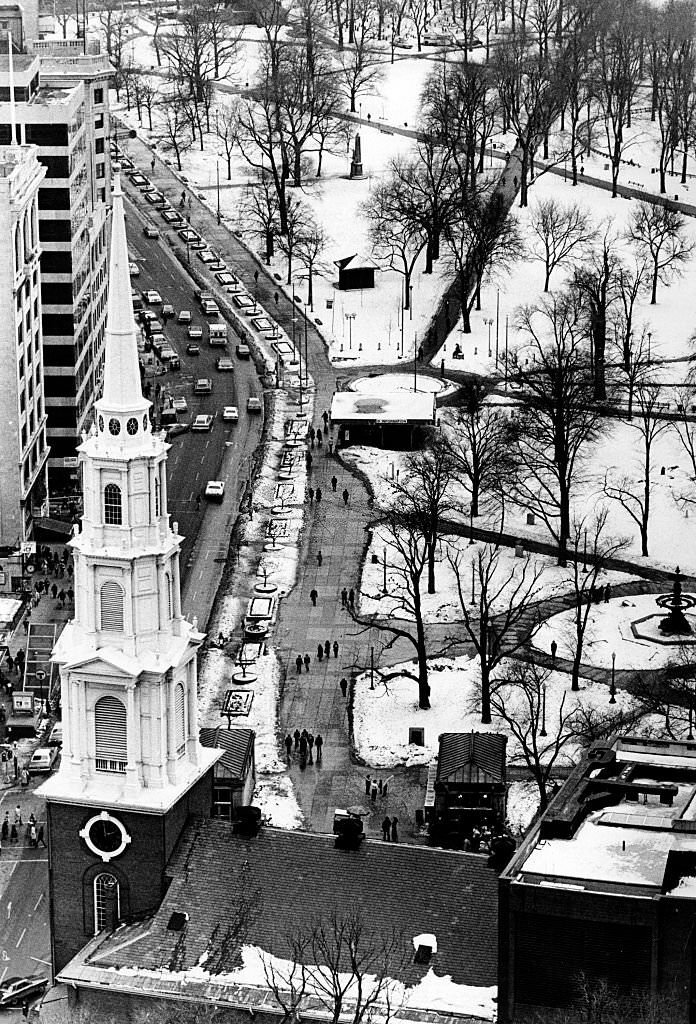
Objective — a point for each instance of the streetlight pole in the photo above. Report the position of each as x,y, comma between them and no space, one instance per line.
649,340
415,362
506,349
489,320
217,175
473,579
384,571
612,690
401,355
350,317
543,710
306,360
497,325
410,302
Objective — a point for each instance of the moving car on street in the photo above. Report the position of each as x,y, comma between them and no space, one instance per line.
215,490
230,414
15,991
203,422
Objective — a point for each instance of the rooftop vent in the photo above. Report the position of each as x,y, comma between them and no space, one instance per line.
425,947
177,921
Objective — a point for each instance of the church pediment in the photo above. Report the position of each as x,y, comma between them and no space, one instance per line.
107,662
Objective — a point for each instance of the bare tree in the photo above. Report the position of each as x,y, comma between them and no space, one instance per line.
617,77
226,126
630,282
482,444
495,620
261,208
561,421
624,489
635,364
298,215
595,281
310,246
149,96
562,233
287,979
660,236
177,136
361,64
393,238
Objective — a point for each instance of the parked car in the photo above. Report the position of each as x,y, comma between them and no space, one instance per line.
152,297
254,404
215,490
203,386
133,269
177,428
184,316
200,295
42,760
150,231
210,307
243,351
167,310
193,349
203,422
230,414
55,738
180,404
224,364
146,315
195,331
15,991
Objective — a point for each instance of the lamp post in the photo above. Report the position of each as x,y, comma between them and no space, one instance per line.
506,350
384,571
350,317
612,689
473,581
489,320
410,302
584,550
41,675
691,718
497,324
306,360
217,177
543,710
649,341
401,353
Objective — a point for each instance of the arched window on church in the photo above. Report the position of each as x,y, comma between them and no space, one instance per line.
112,505
18,247
168,585
111,602
180,717
157,498
107,901
110,734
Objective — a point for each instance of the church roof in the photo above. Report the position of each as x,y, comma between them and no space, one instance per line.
484,750
122,384
236,744
293,881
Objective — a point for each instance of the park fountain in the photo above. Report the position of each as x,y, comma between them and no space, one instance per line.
675,623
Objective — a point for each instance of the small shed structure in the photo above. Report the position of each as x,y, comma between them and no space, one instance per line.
234,775
470,789
392,419
356,271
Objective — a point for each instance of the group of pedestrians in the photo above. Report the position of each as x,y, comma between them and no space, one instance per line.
389,829
304,744
323,651
10,829
375,787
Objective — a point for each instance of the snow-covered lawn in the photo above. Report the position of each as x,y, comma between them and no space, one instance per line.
444,605
609,632
383,716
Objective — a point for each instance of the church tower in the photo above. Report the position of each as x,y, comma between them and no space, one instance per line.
132,769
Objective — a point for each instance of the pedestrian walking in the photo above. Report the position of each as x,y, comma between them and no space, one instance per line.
373,792
14,835
313,595
5,830
307,661
344,686
310,744
325,417
368,784
385,787
344,598
18,815
327,648
379,786
310,492
288,745
395,834
320,651
16,767
303,746
319,437
296,737
33,841
298,663
554,648
10,663
71,594
61,598
334,483
345,495
514,182
607,593
54,591
152,165
25,1008
351,598
319,743
318,495
335,648
386,829
40,837
320,558
331,447
308,461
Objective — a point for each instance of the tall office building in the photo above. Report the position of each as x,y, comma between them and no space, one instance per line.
23,448
61,106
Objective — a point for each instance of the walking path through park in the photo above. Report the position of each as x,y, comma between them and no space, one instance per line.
314,700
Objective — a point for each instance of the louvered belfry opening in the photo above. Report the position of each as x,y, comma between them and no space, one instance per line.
180,717
110,735
112,607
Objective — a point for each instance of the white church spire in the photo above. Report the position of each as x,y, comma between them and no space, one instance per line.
122,392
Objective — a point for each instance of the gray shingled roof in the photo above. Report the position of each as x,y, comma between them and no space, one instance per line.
297,878
485,750
235,743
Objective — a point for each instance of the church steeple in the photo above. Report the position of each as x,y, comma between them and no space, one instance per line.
122,385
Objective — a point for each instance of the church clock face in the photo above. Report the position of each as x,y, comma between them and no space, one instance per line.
105,836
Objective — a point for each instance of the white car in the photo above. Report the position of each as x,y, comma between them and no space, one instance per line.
230,414
152,297
133,269
184,316
195,331
43,759
202,423
215,490
180,404
254,404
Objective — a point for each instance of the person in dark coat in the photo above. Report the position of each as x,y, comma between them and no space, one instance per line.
386,829
307,661
368,783
5,831
298,662
288,745
607,593
40,837
330,447
318,743
394,832
14,836
345,495
334,483
320,558
318,495
319,438
296,737
308,460
54,591
310,492
351,598
312,435
310,744
303,746
325,417
344,598
335,648
344,686
554,648
313,595
327,648
320,651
